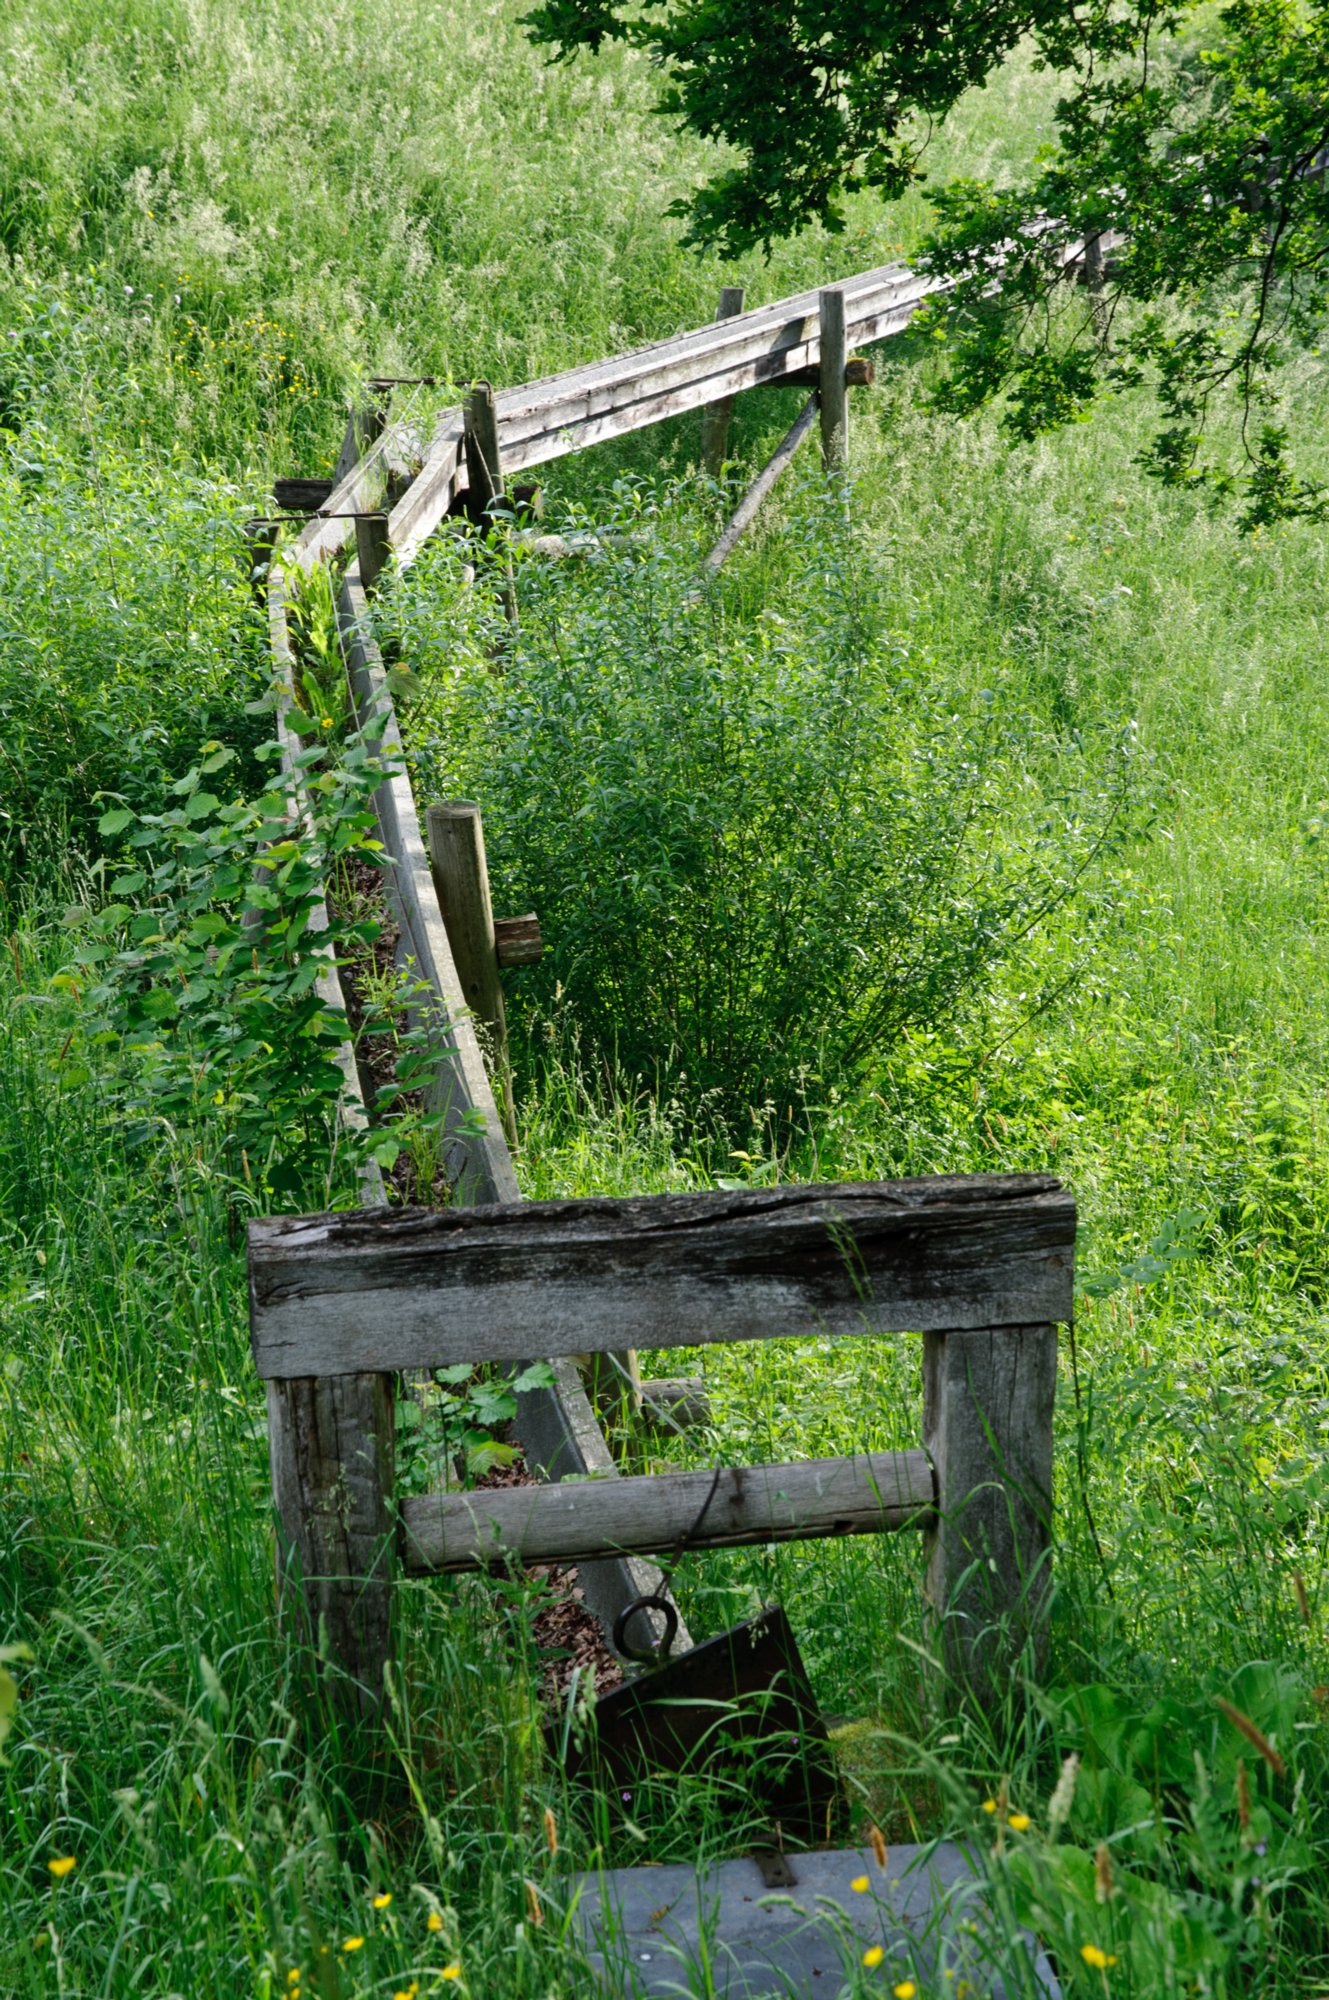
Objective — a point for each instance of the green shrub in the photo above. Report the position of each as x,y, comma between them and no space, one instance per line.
761,846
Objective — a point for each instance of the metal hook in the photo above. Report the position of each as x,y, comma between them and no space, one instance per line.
656,1656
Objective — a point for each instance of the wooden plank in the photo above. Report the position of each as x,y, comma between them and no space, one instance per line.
715,417
478,1163
831,391
988,1394
747,509
331,1293
876,1493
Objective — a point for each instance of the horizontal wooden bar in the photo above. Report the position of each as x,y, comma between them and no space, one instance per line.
874,1494
330,1294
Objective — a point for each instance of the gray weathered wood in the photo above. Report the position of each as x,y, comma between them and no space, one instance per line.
831,386
674,1402
331,1450
987,1423
373,549
873,1494
518,940
339,1292
484,456
747,509
716,416
562,1438
456,838
365,424
478,1163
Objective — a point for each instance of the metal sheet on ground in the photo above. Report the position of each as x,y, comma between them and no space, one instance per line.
642,1928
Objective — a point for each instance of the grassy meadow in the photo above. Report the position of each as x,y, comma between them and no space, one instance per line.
214,223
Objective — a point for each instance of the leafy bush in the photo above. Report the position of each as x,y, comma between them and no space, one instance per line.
203,968
760,846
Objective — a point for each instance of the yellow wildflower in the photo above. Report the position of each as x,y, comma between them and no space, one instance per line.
408,1992
452,1971
433,1922
62,1865
1093,1954
381,1902
1020,1821
873,1955
861,1883
293,1976
352,1944
989,1805
905,1990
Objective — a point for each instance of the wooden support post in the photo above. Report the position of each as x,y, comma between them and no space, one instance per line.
456,838
832,388
987,1424
715,416
330,1439
365,425
484,462
260,541
373,548
484,472
1095,277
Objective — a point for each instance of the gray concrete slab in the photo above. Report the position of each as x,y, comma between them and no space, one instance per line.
664,1933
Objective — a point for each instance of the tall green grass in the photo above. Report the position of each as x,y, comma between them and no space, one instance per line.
214,223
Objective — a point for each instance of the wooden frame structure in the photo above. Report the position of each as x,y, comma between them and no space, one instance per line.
989,1364
980,1265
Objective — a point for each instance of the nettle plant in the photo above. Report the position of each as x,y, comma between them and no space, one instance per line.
203,967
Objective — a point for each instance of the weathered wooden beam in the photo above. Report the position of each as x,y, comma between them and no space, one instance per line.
517,940
477,1161
335,1293
875,1494
987,1423
715,416
747,509
831,385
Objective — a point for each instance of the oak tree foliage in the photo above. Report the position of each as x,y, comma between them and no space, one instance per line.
1188,153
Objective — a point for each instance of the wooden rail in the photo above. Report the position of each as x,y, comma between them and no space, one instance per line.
428,1288
876,1494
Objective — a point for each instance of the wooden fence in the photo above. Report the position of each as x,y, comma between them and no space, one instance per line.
981,1268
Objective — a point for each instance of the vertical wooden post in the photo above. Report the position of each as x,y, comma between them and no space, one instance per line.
330,1439
987,1423
260,541
832,388
457,861
484,474
365,424
715,417
372,548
